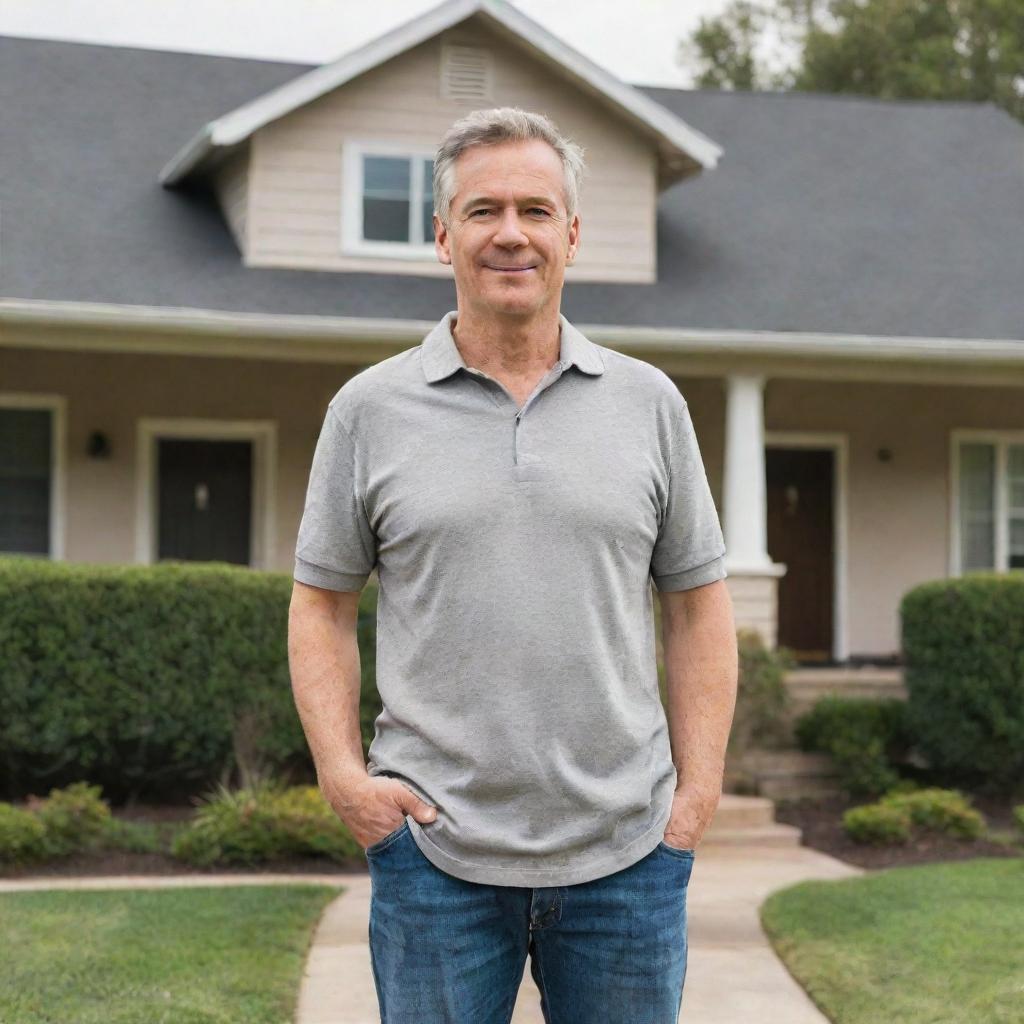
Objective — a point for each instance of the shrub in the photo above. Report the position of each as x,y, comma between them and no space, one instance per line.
153,680
866,738
73,818
22,836
1018,817
877,823
762,700
890,819
963,644
939,810
264,822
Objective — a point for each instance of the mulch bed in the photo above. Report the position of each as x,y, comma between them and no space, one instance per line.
117,862
820,818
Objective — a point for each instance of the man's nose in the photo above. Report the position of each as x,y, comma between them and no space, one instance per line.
508,232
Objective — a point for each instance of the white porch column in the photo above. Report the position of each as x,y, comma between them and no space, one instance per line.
752,576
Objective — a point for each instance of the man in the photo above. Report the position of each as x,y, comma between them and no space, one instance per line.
517,487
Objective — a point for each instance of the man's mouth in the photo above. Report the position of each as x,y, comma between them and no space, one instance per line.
510,270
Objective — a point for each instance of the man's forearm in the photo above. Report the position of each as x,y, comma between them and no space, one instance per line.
325,670
701,666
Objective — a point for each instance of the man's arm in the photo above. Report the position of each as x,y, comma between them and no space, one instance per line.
323,655
701,669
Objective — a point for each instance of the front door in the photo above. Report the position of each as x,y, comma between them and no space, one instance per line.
800,534
205,500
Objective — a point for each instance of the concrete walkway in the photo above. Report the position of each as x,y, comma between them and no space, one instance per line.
733,976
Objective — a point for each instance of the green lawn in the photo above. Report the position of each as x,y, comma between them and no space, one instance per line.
156,956
935,944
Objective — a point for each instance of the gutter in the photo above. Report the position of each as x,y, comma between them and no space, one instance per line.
31,313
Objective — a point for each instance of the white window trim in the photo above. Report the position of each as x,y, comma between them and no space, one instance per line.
263,508
57,406
352,241
1001,439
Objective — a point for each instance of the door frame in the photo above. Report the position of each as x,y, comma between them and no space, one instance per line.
838,444
263,507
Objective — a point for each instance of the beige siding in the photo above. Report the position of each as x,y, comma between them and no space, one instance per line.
295,204
231,183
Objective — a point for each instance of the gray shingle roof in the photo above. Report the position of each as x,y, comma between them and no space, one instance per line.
825,214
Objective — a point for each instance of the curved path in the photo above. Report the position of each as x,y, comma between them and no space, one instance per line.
733,975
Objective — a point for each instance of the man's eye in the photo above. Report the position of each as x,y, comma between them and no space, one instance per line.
539,209
475,212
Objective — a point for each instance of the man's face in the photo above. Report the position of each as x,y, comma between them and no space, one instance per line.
510,237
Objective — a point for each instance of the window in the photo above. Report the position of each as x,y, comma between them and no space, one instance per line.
389,202
989,494
26,449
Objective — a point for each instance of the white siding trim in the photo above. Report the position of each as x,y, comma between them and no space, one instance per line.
1000,438
838,444
57,405
263,521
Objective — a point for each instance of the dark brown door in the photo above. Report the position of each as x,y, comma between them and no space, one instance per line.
205,500
800,534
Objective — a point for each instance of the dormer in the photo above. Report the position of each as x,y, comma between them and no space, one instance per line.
332,171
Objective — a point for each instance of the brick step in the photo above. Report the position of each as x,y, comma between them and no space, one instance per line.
736,812
775,834
785,774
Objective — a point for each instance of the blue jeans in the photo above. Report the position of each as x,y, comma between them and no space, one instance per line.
447,951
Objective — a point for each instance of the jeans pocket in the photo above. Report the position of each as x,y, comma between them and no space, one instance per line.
387,840
678,851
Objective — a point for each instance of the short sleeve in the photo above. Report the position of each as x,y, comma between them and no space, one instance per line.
336,548
690,549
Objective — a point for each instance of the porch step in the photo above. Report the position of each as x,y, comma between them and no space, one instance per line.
775,834
741,820
785,774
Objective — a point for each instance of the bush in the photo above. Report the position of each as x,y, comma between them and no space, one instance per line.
877,823
865,737
22,836
131,836
939,810
153,681
890,819
762,700
262,823
73,818
963,644
1018,817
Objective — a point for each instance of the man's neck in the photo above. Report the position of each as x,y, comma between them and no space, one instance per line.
514,346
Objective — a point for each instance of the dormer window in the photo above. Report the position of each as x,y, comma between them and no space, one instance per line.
388,201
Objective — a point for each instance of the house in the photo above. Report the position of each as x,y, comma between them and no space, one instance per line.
197,251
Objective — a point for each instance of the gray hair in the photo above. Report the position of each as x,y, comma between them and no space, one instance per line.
502,124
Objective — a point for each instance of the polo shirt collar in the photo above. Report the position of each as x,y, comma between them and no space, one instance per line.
441,356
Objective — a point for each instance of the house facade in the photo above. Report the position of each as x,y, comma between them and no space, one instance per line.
196,252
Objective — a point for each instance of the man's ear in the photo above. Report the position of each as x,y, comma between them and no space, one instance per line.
573,241
441,246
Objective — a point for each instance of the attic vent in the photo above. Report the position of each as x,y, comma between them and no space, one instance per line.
465,73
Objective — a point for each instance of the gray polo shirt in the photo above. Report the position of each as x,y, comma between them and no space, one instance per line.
515,550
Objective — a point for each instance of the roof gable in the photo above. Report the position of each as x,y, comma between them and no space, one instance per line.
682,150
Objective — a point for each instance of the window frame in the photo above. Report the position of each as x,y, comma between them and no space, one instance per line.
352,241
56,405
1001,440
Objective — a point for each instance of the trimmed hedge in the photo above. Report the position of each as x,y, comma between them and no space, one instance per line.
866,738
963,644
151,681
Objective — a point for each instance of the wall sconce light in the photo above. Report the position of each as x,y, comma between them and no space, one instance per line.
884,455
98,445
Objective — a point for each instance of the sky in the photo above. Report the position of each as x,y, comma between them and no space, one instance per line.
636,40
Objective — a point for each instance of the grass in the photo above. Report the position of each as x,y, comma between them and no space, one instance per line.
931,944
156,956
